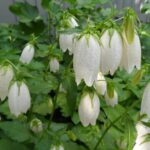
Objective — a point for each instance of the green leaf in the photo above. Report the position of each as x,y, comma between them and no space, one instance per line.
73,146
6,144
24,11
15,130
43,108
138,76
70,85
130,29
63,104
110,89
42,85
130,133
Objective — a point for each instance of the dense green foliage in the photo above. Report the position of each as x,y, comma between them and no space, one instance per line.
58,110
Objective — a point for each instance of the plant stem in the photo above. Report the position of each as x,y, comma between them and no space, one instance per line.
112,124
106,130
54,107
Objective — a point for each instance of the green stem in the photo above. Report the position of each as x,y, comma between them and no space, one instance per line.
11,64
54,107
112,124
106,130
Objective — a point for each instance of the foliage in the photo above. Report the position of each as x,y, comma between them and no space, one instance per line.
58,109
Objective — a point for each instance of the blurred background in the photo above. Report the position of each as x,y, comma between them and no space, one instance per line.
7,17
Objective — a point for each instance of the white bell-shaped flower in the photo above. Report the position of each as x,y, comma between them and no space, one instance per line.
19,98
131,54
86,59
100,84
36,125
111,52
6,75
66,42
27,54
111,101
89,109
54,65
142,132
145,109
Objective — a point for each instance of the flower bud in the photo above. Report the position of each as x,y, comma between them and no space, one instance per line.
86,59
111,101
111,52
36,126
6,75
100,84
131,53
19,98
27,54
89,109
54,65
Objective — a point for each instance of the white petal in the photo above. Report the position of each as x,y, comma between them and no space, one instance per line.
86,59
111,101
54,65
66,42
96,109
142,131
73,22
85,110
111,52
145,105
27,54
6,75
19,99
131,54
61,147
13,99
24,99
100,84
89,109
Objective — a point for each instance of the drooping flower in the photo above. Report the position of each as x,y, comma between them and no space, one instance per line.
111,52
89,109
54,65
100,84
143,130
6,75
27,54
66,39
111,101
19,98
86,59
36,125
146,101
66,42
131,57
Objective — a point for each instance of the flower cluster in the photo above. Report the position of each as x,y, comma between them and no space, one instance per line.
96,54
